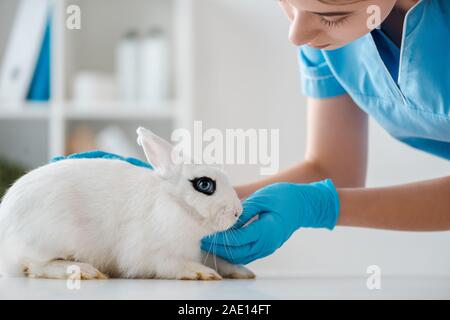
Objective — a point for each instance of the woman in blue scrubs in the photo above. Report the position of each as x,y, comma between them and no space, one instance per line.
399,74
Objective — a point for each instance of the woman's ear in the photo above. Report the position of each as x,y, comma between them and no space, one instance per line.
157,151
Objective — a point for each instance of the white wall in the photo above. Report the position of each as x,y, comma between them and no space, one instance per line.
7,10
247,77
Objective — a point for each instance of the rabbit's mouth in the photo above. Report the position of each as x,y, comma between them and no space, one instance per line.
218,221
224,219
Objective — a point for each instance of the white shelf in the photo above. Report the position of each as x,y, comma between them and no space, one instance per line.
25,111
71,52
117,110
114,110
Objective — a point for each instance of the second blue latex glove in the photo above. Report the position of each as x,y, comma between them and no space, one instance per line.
282,208
103,155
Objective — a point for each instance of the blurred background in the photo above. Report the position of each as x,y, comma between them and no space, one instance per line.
68,88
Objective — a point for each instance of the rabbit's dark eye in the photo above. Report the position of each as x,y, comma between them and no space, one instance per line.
204,185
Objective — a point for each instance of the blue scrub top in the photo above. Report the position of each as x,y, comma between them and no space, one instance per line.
406,90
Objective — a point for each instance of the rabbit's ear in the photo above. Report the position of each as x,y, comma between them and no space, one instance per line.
157,150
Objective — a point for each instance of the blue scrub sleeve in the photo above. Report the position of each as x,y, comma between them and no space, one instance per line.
317,78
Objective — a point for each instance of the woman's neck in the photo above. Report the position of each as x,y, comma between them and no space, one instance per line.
405,5
393,25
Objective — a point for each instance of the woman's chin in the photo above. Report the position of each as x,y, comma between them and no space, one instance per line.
333,47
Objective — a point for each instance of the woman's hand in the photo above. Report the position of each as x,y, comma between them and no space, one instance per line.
281,208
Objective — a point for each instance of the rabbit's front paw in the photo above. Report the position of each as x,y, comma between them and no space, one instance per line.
227,269
237,272
196,271
62,269
88,272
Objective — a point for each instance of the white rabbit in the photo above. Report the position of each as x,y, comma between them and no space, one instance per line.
106,218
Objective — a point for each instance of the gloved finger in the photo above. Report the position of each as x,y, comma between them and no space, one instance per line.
260,248
89,155
232,254
240,255
250,210
138,163
235,237
253,257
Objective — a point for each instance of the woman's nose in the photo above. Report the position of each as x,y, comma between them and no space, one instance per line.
302,30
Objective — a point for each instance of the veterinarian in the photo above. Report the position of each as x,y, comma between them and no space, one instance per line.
398,74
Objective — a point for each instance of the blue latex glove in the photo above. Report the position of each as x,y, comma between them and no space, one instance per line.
282,209
104,155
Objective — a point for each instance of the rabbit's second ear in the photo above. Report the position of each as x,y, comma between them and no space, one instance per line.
157,150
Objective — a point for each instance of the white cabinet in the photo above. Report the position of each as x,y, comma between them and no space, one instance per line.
32,133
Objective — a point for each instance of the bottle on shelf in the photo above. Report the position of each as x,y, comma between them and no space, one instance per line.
154,65
127,66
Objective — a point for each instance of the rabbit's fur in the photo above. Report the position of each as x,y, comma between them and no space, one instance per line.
101,217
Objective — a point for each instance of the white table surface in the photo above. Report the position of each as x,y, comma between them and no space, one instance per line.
265,287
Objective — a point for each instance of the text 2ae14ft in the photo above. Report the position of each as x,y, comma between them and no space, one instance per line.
224,309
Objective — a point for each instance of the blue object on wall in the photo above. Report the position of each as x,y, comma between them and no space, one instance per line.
40,84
